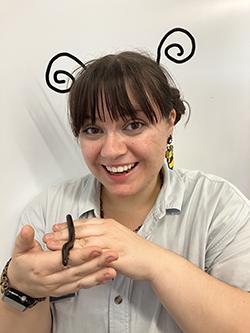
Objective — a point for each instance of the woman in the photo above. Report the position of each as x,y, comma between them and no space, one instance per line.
156,250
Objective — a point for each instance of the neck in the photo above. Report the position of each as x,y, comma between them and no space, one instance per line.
131,210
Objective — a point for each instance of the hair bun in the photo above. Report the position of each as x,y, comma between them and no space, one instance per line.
177,103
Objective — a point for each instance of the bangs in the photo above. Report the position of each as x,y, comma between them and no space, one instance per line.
113,89
117,99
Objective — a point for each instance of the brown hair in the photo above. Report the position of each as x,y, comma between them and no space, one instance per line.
106,81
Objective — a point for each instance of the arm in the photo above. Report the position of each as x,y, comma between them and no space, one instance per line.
197,301
37,319
39,273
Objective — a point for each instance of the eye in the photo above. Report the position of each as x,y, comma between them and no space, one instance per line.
134,125
91,130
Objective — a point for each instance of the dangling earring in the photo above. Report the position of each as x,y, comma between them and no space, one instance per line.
170,153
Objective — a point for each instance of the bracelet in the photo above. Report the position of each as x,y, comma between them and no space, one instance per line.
4,278
15,297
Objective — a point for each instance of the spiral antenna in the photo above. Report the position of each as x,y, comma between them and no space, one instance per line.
67,76
181,51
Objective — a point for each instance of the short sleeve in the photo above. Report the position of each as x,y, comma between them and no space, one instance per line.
228,246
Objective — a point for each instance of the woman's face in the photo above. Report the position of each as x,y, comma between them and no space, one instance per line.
126,156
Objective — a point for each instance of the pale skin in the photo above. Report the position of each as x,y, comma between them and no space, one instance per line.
206,304
41,274
106,246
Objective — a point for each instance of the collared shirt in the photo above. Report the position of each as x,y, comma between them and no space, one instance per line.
201,217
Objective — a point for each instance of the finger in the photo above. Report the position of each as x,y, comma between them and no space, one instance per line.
81,231
79,257
87,281
53,259
54,245
91,262
25,241
62,226
79,267
101,242
74,273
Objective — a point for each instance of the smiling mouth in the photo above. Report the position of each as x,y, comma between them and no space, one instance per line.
120,169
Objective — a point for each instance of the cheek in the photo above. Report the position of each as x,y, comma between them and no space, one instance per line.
154,147
89,152
150,152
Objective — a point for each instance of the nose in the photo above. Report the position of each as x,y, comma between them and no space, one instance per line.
113,147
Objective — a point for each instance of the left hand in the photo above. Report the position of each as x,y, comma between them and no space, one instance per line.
137,256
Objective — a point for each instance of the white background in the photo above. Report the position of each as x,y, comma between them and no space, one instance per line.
36,146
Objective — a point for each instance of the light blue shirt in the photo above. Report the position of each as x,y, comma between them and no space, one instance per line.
201,217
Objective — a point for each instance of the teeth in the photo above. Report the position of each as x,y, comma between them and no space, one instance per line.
120,168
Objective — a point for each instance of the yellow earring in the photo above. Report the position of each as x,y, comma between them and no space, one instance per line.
170,153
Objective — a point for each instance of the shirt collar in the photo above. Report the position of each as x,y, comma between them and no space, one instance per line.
169,199
171,196
90,197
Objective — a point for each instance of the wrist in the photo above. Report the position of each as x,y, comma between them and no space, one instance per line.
158,262
165,264
13,275
14,297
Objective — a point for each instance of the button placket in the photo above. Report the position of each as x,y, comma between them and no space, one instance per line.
119,305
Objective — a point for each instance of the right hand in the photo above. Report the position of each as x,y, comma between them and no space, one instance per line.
39,273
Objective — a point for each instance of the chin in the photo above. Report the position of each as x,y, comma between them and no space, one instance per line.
121,190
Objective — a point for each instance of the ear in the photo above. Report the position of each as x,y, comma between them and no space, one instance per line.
172,117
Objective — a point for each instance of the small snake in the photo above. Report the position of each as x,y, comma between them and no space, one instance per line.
71,239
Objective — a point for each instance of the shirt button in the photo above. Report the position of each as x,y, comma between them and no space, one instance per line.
118,299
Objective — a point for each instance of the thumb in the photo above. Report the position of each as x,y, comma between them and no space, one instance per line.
25,240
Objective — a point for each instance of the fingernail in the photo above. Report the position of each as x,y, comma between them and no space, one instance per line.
110,259
56,227
104,279
52,243
49,236
94,254
107,276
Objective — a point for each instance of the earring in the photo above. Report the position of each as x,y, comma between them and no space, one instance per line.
170,153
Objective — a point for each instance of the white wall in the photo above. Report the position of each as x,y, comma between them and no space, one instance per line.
37,148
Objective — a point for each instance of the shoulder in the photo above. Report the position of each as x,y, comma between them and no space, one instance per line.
208,185
213,200
68,188
197,176
220,208
71,185
61,196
